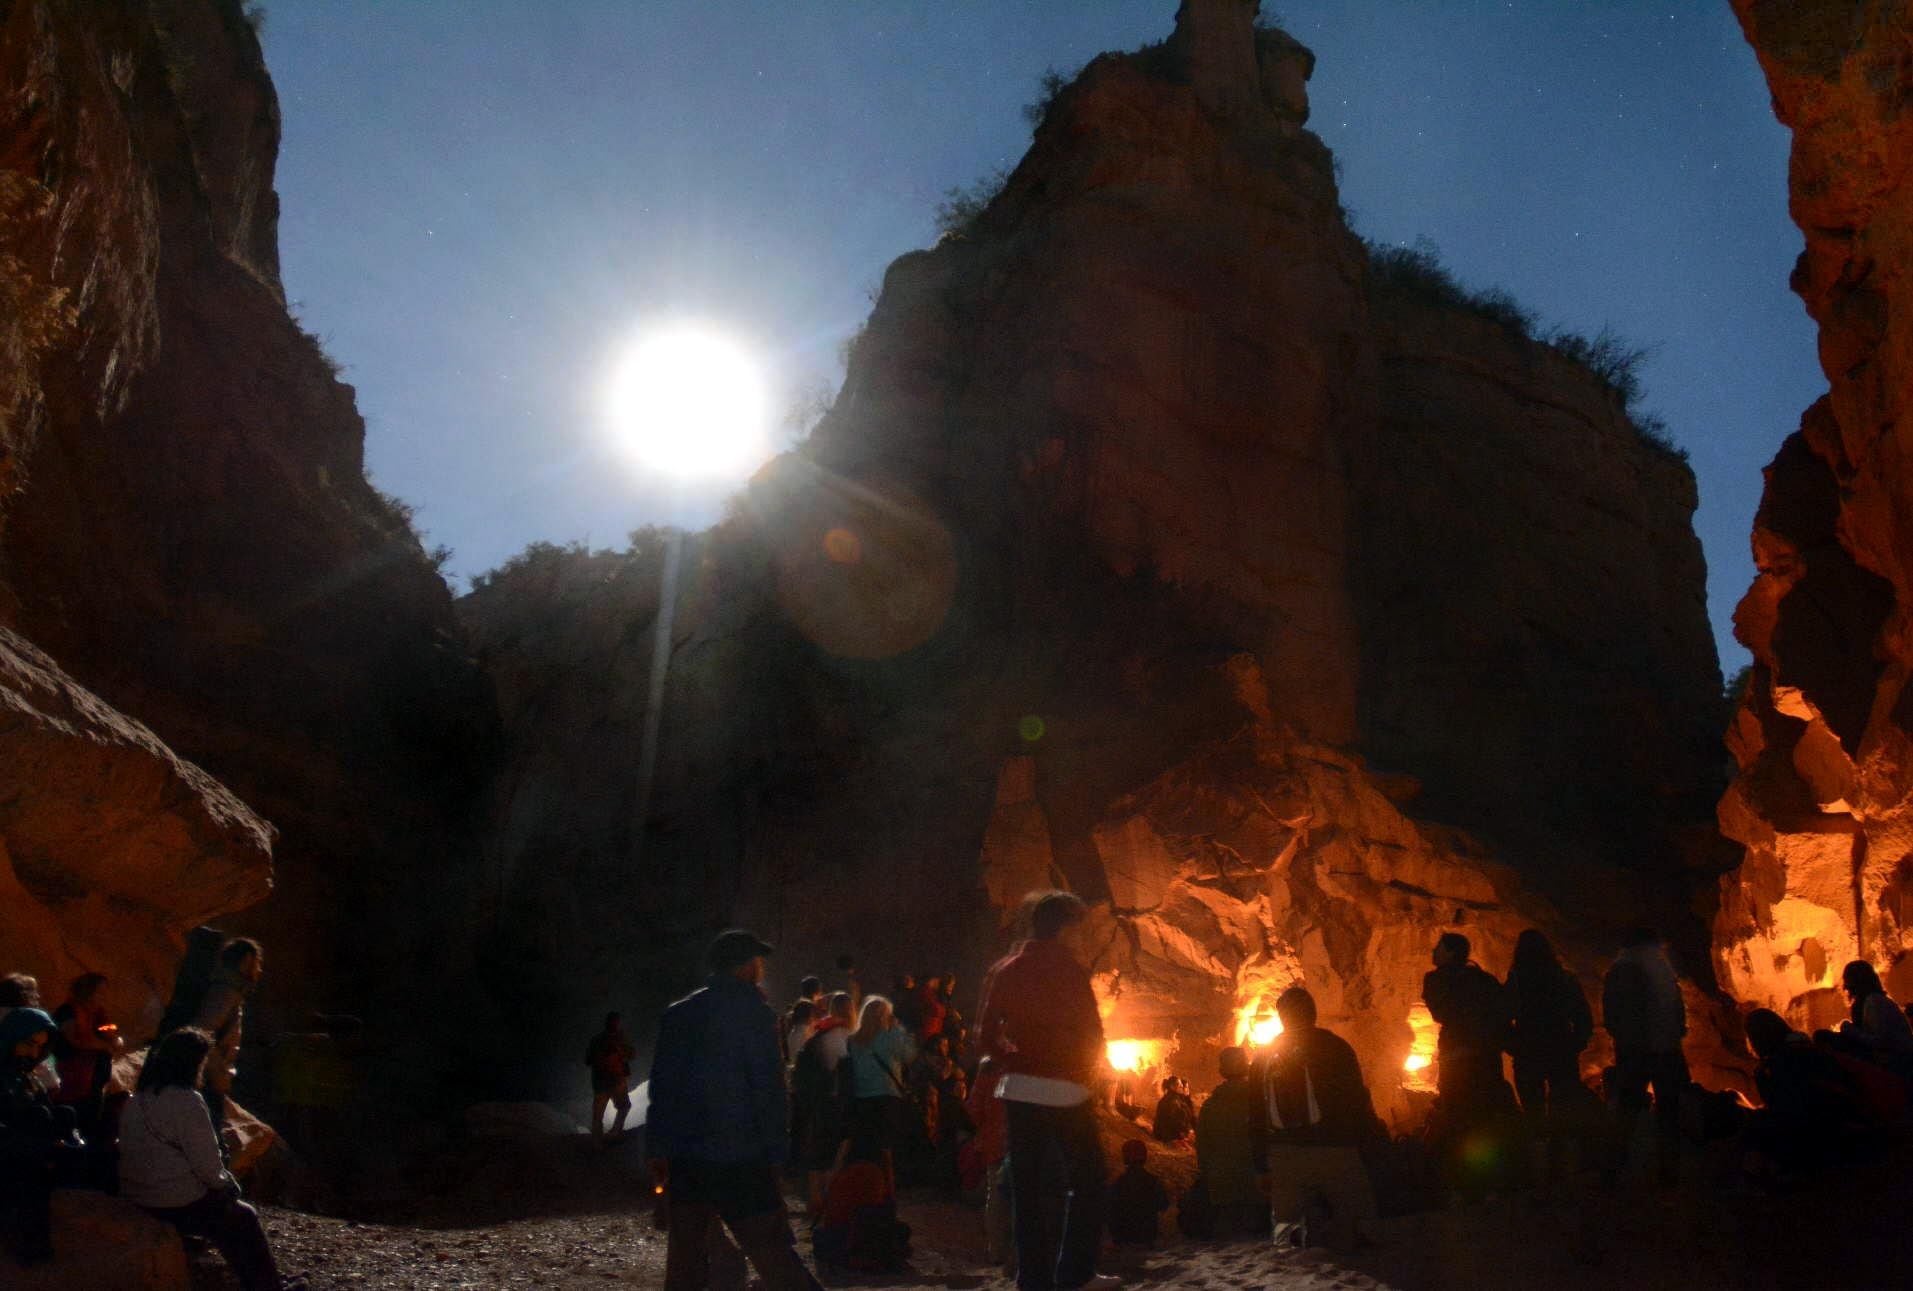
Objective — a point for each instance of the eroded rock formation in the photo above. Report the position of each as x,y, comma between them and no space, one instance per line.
1137,528
1824,732
185,523
111,848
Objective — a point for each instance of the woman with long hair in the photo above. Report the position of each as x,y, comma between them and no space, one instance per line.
1551,1026
1877,1028
170,1164
878,1052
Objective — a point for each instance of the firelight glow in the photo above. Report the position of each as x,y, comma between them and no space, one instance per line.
689,402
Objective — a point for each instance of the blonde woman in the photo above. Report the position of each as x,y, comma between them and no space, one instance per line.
879,1103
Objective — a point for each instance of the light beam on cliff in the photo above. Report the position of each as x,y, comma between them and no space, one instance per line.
688,403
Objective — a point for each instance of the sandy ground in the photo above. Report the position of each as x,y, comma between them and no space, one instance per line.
567,1213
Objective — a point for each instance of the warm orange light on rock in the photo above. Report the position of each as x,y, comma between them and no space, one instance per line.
1418,1069
1137,1056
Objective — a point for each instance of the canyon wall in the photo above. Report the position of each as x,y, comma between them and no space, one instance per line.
1823,803
1140,527
185,522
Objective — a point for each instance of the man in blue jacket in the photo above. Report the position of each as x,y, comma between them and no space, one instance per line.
719,1123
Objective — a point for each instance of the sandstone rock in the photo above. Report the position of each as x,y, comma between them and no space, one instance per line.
101,1241
185,522
111,847
1824,800
1162,499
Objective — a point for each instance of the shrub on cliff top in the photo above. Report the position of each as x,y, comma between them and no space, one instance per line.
1418,273
960,208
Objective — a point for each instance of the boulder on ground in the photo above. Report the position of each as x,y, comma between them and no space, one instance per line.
102,1241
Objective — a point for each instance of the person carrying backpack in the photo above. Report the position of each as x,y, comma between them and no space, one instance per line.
609,1056
1316,1115
818,1105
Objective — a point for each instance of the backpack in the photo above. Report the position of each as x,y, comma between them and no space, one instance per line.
811,1083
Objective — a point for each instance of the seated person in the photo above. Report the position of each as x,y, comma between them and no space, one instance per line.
859,1228
1226,1129
1136,1199
34,1134
170,1164
1877,1029
1813,1112
1175,1111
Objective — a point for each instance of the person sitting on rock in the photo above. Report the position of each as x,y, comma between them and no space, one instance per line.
83,1053
33,1133
170,1163
22,991
1877,1028
1812,1111
1175,1118
1225,1152
859,1228
1316,1116
1137,1199
609,1056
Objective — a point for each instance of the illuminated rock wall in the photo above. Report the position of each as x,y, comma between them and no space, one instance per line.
1823,737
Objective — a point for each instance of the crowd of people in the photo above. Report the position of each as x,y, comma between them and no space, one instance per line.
160,1145
1288,1145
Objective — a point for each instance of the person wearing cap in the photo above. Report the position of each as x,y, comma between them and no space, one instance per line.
32,1132
718,1129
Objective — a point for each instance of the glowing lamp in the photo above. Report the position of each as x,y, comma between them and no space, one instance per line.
1125,1055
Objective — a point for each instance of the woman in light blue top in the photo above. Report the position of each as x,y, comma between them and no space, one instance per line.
875,1059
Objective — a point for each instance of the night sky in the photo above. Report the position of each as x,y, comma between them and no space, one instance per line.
483,199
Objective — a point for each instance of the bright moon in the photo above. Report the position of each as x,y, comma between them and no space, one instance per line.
689,402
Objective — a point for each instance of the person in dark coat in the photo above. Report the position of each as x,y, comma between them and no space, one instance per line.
1316,1117
1175,1118
1137,1199
1812,1111
1226,1128
33,1133
1551,1025
718,1129
1478,1130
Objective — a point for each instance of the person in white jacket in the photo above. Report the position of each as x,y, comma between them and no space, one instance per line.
170,1163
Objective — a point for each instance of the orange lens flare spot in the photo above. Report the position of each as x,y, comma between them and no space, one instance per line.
843,546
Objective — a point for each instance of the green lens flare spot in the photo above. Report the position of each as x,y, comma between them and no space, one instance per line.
1030,728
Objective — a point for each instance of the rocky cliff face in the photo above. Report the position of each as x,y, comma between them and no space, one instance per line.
1135,526
111,848
185,522
1534,636
1822,802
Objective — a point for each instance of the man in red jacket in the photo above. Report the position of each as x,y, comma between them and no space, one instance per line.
1038,1025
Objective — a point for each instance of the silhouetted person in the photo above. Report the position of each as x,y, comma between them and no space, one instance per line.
1316,1117
32,1132
1226,1129
1812,1110
1642,1009
1137,1199
609,1056
796,1028
1175,1118
170,1162
1477,1129
1039,1026
222,1015
1877,1028
718,1129
1552,1024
